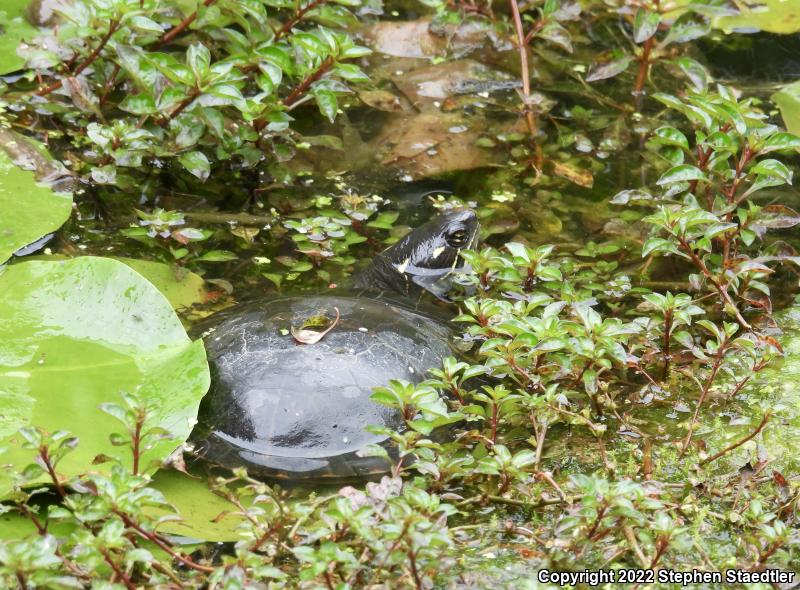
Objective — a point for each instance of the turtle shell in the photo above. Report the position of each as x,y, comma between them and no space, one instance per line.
299,411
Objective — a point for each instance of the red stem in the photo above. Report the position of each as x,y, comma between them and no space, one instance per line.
301,88
180,27
87,62
297,17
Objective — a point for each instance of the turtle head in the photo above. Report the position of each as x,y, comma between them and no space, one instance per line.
430,255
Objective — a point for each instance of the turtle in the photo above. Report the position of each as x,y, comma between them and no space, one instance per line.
292,411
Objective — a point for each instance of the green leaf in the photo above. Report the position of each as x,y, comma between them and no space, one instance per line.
687,27
83,331
671,136
14,29
222,95
788,101
327,103
139,104
780,141
198,58
695,71
682,173
197,163
218,256
658,245
42,210
645,25
772,168
609,69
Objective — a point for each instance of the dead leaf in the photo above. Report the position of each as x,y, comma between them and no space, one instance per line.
383,100
433,143
305,336
575,175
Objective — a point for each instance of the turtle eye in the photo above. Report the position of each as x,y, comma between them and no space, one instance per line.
457,239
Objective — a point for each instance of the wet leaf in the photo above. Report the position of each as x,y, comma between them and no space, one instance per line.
14,28
609,69
180,286
780,141
695,72
682,173
41,211
305,336
83,331
777,217
687,27
645,25
327,103
197,163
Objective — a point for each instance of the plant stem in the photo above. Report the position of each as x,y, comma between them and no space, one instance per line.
698,262
180,27
45,456
667,338
301,88
737,444
644,67
119,573
714,370
297,17
522,46
113,28
155,538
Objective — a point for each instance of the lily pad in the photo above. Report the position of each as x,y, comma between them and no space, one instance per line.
14,28
30,208
75,334
788,101
204,514
181,287
772,16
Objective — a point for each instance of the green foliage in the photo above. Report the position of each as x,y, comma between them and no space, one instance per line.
595,418
200,84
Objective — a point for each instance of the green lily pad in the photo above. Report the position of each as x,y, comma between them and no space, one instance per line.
30,208
788,101
204,514
75,334
181,287
772,16
14,28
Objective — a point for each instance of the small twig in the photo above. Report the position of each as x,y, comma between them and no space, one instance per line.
540,444
735,445
522,47
549,479
634,543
